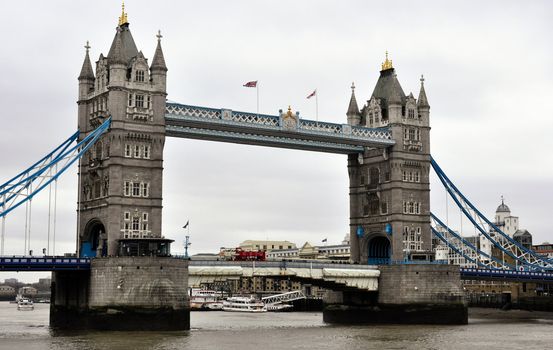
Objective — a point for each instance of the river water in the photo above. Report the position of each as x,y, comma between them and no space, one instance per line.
487,329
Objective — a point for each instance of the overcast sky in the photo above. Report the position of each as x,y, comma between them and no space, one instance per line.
489,81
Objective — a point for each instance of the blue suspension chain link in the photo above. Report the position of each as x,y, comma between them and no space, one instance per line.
24,180
453,191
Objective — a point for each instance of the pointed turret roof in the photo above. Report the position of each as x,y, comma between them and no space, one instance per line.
388,88
123,47
116,51
158,61
86,70
353,109
422,101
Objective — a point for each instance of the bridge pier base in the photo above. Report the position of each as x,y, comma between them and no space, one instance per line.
123,293
407,294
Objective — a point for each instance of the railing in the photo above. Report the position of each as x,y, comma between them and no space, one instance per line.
226,116
468,273
46,263
279,264
379,261
279,298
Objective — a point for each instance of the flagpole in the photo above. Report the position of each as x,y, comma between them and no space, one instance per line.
257,92
317,105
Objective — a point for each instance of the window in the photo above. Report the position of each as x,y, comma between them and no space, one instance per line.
127,215
128,151
384,207
149,101
417,177
130,99
145,189
144,216
139,101
136,151
136,189
411,113
411,133
139,76
410,207
127,188
136,224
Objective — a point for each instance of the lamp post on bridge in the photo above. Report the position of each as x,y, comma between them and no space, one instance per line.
187,239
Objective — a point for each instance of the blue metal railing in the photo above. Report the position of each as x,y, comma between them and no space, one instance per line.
46,263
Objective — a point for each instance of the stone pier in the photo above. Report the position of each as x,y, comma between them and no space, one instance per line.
407,294
123,293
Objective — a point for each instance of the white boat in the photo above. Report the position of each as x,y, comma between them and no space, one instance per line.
25,304
243,304
279,307
204,299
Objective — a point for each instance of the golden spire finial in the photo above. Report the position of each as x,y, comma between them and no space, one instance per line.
289,111
387,64
123,17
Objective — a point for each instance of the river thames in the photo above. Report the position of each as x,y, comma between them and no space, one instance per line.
487,329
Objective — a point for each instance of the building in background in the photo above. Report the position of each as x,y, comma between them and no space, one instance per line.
545,249
7,292
266,245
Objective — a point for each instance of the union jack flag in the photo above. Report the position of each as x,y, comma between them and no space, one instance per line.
312,94
251,84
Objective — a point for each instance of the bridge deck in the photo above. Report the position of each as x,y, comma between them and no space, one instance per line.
266,130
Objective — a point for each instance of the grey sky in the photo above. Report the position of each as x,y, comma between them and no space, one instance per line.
489,81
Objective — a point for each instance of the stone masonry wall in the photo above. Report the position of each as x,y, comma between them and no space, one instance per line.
139,282
420,284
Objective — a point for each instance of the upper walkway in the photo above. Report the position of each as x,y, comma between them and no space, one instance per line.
267,130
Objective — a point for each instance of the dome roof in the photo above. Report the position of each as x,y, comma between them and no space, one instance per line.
503,208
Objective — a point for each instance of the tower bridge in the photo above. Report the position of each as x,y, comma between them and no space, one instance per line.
124,269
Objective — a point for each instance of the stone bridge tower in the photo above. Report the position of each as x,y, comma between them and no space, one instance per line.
389,188
120,179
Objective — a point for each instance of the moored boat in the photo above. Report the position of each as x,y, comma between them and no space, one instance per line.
243,304
205,300
25,304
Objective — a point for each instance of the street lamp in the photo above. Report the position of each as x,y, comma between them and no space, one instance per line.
187,241
186,245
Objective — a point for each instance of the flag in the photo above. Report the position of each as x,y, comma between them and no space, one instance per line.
187,222
324,240
251,84
312,94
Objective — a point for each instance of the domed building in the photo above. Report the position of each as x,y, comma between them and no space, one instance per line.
508,224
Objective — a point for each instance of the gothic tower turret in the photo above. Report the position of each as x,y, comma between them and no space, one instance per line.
354,117
120,179
389,201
